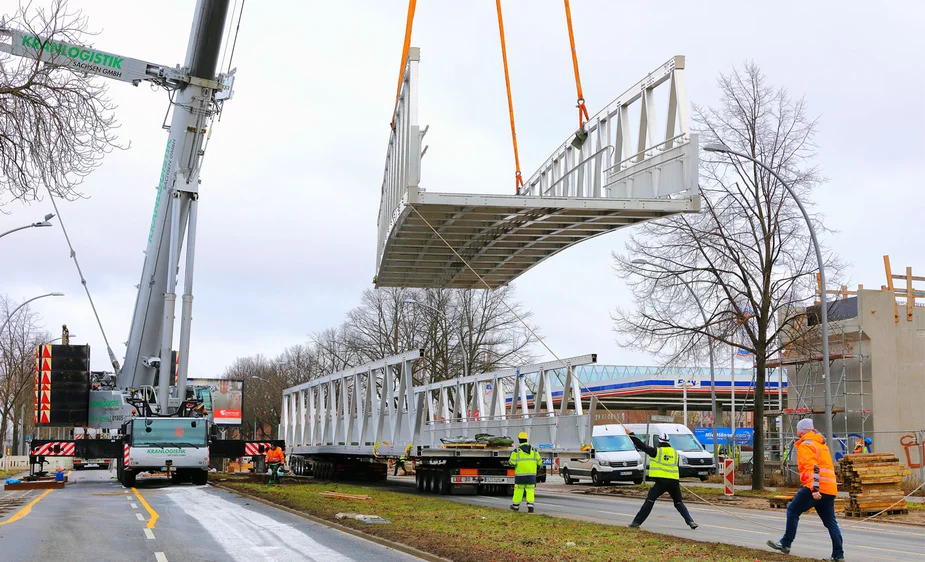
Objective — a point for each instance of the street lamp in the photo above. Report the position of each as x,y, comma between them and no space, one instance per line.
824,314
15,310
45,222
446,320
703,314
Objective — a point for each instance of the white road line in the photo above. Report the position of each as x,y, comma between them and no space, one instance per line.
149,533
160,557
134,506
140,516
246,534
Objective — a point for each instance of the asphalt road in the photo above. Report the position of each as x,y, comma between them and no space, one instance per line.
95,518
744,527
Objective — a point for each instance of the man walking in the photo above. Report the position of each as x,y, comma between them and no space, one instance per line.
819,490
525,460
275,459
663,469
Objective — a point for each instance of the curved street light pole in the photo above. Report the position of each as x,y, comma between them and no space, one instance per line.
824,314
15,310
703,314
48,217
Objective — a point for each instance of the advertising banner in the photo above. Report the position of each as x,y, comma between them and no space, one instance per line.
744,435
227,399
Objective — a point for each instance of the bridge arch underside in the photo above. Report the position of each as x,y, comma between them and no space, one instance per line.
500,237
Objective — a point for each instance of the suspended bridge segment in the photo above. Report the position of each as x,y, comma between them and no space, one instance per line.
622,167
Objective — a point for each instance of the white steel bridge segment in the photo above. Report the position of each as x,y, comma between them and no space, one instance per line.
616,171
378,409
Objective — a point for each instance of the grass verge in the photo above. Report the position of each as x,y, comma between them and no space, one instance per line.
467,533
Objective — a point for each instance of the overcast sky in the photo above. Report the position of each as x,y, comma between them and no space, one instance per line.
291,180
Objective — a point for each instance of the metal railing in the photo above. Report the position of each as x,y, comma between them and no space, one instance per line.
608,158
402,172
379,405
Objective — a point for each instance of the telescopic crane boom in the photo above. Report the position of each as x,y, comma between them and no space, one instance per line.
197,94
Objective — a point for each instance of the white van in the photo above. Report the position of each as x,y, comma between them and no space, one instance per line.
695,461
615,459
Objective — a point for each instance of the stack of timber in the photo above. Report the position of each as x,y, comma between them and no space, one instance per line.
874,483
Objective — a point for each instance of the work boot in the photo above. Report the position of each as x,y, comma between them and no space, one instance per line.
833,560
529,508
515,507
779,546
634,525
692,525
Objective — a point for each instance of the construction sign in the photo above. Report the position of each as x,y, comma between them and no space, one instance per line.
62,385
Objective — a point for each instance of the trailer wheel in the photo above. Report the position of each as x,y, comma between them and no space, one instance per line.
419,480
128,478
428,482
200,478
445,486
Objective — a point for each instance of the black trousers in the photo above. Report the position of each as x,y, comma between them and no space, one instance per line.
662,485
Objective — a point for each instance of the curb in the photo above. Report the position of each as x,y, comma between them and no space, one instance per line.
401,547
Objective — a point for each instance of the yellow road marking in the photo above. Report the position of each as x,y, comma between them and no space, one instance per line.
151,512
25,510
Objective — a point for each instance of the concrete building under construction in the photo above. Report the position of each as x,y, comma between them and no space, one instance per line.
877,368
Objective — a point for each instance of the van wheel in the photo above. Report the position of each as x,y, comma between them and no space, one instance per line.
703,478
595,478
565,476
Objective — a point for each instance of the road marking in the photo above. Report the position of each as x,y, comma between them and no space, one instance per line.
244,533
25,510
140,516
149,533
160,557
151,512
134,506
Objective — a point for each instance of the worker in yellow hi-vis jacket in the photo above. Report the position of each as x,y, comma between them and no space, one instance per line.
525,460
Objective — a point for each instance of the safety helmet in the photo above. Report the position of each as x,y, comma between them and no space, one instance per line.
523,436
663,437
868,440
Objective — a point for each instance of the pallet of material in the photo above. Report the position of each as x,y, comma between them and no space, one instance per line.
874,483
340,496
465,446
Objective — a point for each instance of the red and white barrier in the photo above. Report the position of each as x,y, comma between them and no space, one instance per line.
729,477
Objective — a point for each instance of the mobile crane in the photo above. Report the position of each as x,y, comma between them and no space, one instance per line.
150,418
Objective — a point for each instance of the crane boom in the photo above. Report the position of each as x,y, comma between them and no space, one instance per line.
197,97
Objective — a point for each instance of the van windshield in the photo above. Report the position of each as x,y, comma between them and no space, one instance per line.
684,442
611,443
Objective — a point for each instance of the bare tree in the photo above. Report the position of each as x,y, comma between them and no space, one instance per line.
17,361
747,256
263,389
55,124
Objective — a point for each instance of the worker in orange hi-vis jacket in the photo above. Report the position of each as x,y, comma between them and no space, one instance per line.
275,459
819,489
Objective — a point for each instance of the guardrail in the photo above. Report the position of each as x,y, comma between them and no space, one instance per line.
608,158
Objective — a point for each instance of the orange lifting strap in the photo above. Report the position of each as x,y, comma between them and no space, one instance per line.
519,181
404,54
582,110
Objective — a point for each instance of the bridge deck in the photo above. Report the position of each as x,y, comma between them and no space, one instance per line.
611,174
500,236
